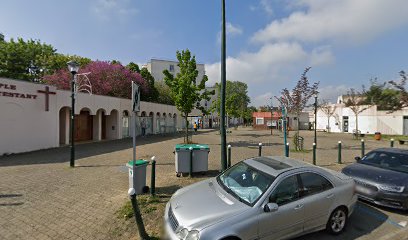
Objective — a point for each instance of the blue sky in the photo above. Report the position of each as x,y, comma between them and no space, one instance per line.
270,42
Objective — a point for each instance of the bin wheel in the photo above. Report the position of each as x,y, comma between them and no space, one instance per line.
145,189
178,174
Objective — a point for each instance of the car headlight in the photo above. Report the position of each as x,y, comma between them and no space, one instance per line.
184,234
397,189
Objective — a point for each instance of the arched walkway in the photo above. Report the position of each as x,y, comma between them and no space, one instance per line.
64,122
112,125
125,124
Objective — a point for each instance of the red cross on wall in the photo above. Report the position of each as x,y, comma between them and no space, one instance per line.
47,99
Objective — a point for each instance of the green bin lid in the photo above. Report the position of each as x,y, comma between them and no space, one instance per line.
194,146
138,162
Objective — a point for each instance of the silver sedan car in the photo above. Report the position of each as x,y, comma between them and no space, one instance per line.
262,198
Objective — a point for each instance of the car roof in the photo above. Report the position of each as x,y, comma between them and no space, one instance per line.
275,165
391,150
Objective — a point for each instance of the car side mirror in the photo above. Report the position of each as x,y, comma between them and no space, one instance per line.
357,158
271,207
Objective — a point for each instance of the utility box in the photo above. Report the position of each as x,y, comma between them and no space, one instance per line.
200,158
139,181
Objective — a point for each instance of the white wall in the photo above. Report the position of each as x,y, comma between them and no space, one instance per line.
26,126
24,123
156,68
369,121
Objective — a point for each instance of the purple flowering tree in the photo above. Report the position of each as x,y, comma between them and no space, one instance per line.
106,79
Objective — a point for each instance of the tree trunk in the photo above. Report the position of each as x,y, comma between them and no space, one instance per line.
186,119
328,124
298,132
357,135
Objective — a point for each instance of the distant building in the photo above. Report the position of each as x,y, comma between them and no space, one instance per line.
157,66
263,120
369,121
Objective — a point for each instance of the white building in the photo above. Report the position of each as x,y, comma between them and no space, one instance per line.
36,116
369,121
157,66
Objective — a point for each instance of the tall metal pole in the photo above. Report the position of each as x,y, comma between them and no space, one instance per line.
72,160
223,86
315,120
284,130
271,116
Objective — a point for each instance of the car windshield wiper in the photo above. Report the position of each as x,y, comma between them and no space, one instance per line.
229,190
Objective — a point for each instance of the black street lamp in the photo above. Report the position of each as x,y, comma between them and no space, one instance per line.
315,119
73,67
223,86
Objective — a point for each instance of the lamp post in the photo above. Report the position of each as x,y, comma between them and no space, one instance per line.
315,119
223,86
73,67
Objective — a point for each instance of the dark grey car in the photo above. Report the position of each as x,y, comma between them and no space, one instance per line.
381,177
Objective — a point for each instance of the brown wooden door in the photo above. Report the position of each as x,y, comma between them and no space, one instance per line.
83,126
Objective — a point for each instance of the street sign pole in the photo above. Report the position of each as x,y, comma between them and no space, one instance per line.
135,109
284,129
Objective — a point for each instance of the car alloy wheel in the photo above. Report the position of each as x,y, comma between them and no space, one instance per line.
337,221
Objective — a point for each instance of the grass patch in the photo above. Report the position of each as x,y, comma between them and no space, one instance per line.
147,204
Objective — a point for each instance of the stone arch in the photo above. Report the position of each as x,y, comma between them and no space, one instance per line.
143,114
112,125
125,124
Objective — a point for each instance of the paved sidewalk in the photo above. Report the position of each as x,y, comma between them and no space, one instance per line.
41,197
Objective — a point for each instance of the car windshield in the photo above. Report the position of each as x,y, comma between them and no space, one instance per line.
245,183
387,160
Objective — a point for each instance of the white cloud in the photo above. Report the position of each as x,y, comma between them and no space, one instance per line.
321,56
113,9
270,64
267,6
231,31
347,20
330,93
263,99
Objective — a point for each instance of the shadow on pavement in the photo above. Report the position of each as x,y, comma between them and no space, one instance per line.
62,154
10,199
168,190
83,150
364,220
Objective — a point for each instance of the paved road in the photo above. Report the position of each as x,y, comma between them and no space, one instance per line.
42,198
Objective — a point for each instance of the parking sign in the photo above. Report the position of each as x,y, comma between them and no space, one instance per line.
135,97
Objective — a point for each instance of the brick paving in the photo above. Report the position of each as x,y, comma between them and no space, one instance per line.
41,197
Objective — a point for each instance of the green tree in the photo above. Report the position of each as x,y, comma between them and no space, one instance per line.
403,92
164,93
185,90
384,97
248,114
59,61
236,99
1,37
153,94
133,67
25,60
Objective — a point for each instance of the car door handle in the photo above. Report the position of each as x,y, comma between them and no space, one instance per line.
298,206
330,196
